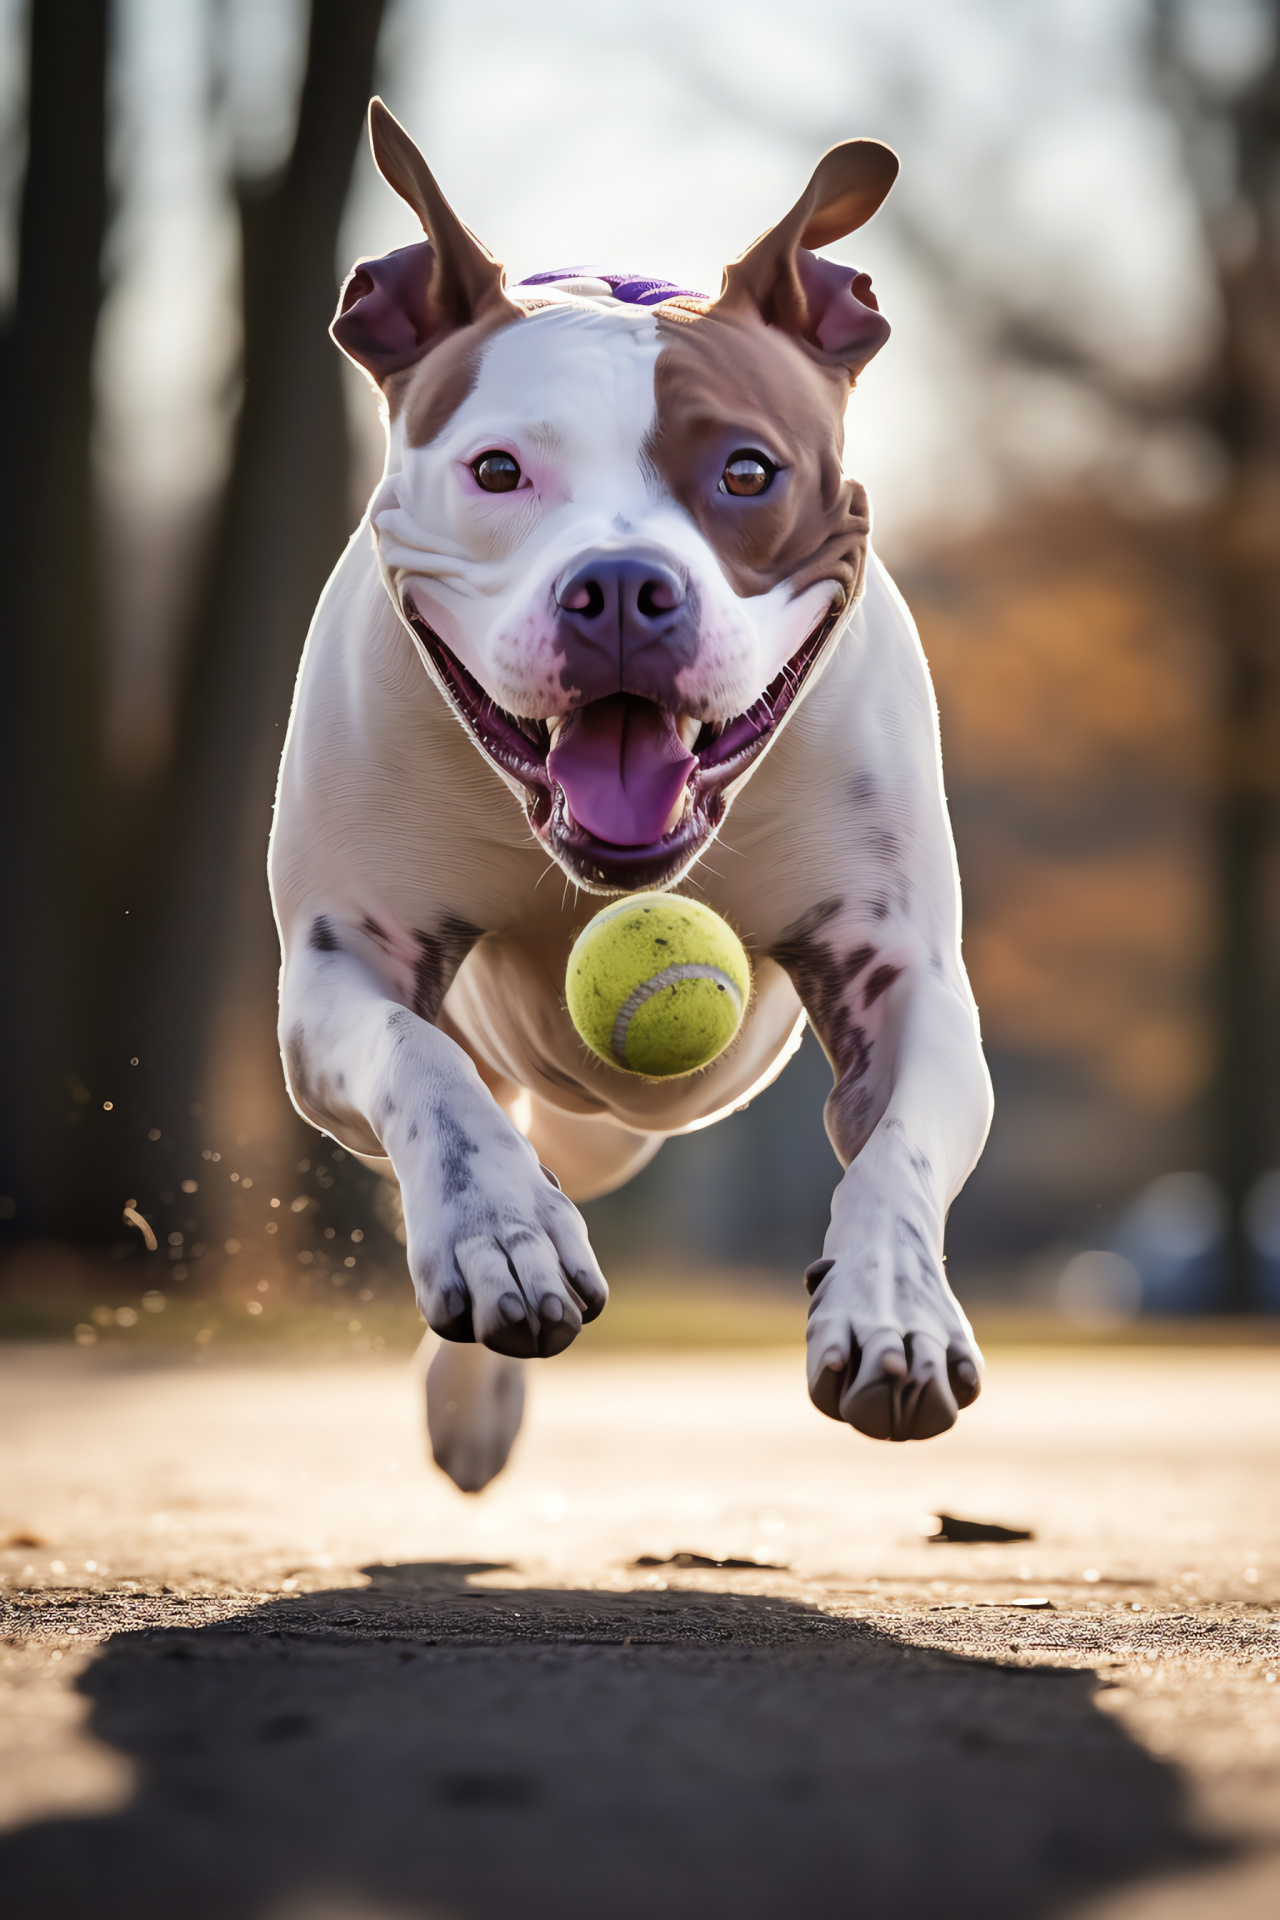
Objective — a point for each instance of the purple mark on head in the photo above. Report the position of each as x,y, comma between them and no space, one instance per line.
636,289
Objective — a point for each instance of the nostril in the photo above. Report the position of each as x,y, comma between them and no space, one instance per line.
658,596
585,596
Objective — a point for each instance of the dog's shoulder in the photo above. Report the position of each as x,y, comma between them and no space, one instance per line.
382,794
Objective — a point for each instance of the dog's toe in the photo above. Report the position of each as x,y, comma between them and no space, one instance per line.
518,1339
964,1377
894,1388
902,1392
901,1410
449,1315
558,1325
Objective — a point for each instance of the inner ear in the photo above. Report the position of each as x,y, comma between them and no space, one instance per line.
392,310
779,278
467,279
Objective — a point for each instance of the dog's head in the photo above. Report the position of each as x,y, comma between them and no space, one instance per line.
614,515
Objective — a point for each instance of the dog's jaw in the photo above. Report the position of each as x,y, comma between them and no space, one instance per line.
722,755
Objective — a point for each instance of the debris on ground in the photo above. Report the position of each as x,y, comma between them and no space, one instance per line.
706,1560
968,1532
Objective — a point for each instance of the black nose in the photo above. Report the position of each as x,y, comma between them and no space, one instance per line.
626,624
607,597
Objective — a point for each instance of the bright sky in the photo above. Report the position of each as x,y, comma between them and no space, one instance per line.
664,138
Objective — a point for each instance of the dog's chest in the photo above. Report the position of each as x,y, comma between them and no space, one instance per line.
508,1003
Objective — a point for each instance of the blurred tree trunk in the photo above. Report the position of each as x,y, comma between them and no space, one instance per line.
206,952
51,775
1242,571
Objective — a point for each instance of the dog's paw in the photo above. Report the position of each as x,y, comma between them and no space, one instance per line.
475,1401
889,1348
497,1253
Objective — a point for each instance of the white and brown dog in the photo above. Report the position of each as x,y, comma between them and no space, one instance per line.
613,609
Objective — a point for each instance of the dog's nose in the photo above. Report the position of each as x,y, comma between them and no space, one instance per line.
607,596
627,625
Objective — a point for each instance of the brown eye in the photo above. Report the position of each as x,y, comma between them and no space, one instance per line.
496,472
747,472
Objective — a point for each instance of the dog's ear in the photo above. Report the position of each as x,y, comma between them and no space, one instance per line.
392,310
830,308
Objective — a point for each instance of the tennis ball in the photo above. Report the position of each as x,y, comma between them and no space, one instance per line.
657,984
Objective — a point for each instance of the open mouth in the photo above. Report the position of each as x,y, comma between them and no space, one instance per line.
622,792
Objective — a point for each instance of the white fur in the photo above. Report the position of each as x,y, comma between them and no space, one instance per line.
570,394
389,813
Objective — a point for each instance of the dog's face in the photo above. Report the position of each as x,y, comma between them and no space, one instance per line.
620,533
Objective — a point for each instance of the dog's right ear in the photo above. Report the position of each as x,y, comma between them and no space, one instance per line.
392,310
780,279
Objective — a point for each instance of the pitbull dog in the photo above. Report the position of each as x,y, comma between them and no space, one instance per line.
613,610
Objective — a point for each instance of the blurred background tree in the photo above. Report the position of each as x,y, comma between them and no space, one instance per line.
1072,446
54,829
1230,125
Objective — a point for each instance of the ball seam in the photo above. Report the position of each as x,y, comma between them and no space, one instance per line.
669,977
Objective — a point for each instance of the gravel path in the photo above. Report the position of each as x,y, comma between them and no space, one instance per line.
259,1659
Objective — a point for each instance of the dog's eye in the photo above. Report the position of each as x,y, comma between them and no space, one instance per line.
747,472
496,472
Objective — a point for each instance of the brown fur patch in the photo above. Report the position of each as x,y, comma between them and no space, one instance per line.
431,391
723,382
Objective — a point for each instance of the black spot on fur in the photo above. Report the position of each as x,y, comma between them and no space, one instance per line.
456,1150
374,931
849,1117
295,1060
322,938
440,954
428,977
822,977
880,982
298,1070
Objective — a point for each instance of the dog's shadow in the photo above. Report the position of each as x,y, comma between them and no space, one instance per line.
423,1747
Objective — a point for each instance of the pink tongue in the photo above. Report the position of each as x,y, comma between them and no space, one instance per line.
622,765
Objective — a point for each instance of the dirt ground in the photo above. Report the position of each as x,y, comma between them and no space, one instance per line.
260,1659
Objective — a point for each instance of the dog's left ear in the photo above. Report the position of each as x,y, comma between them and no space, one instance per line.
831,308
392,310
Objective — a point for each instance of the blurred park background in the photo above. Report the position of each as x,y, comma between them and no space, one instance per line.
1073,447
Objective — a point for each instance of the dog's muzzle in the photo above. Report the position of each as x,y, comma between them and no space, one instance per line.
627,788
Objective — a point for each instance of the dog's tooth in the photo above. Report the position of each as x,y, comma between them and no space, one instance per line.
679,810
553,725
688,726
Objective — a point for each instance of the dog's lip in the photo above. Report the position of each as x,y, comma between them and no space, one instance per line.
499,732
512,746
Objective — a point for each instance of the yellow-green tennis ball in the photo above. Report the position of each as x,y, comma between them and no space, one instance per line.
657,984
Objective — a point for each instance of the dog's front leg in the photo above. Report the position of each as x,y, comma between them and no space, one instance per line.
890,1349
496,1252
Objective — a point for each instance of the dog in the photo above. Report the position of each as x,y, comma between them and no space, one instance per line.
613,610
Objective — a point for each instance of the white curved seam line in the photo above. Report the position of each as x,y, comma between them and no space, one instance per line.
669,977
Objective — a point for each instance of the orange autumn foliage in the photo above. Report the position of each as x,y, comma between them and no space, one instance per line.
1076,697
